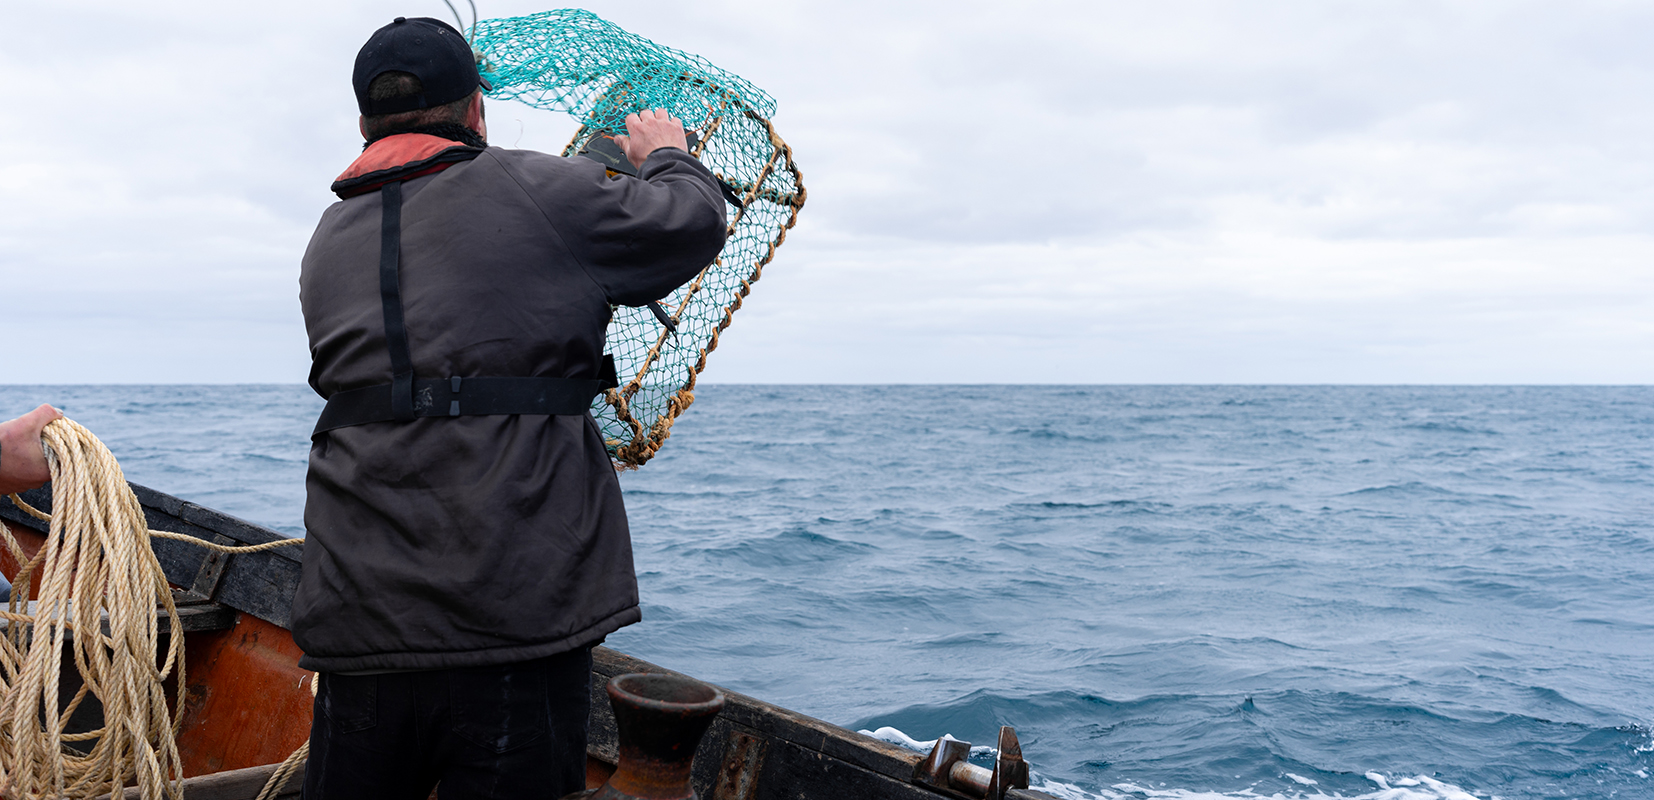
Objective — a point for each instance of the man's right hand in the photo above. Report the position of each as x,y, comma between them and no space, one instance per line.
22,461
649,131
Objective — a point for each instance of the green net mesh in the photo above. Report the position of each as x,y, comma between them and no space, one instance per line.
573,61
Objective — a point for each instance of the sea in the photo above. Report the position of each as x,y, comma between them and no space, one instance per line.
1191,592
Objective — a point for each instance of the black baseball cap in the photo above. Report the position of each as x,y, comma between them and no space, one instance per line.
429,49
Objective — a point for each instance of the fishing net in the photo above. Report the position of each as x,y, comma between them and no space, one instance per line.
573,61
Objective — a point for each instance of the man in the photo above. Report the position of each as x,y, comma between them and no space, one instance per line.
22,461
466,541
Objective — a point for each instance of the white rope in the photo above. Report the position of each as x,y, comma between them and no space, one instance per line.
95,573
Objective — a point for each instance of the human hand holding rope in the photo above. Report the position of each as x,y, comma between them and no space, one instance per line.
22,461
648,131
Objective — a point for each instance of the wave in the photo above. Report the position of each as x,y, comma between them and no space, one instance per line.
1115,506
1292,744
1420,489
1386,787
1450,427
791,548
1050,433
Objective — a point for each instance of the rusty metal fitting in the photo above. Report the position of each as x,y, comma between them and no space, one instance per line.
948,768
660,720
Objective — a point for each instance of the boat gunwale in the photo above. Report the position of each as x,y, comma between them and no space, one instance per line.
261,584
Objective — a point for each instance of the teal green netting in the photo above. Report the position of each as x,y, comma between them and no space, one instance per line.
573,61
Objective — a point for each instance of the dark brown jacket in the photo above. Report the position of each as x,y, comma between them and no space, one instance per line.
446,542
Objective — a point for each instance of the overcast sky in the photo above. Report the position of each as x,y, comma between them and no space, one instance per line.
1118,192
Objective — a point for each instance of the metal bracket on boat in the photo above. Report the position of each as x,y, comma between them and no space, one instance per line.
208,575
948,768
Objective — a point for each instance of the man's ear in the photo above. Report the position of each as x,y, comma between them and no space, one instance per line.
362,125
475,118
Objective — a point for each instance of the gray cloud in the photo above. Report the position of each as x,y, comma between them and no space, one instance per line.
1176,191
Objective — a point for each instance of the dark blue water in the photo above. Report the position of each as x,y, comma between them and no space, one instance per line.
1189,592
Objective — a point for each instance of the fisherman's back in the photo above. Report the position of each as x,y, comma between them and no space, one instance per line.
482,539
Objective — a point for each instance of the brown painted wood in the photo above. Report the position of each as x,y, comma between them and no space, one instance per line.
239,784
597,771
27,538
249,703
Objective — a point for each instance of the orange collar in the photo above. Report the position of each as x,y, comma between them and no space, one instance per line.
399,158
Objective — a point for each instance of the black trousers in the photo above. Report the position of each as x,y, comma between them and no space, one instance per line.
510,731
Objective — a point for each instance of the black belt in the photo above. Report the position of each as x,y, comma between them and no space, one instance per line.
404,398
464,397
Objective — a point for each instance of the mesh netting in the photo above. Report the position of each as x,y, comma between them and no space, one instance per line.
573,61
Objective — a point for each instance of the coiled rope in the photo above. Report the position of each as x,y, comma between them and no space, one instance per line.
99,586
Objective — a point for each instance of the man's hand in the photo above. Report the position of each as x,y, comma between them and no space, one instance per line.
22,461
649,131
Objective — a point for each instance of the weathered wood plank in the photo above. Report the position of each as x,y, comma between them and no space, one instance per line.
794,772
202,617
262,587
835,749
261,584
238,784
205,518
39,498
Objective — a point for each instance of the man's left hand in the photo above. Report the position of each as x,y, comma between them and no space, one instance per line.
648,131
22,461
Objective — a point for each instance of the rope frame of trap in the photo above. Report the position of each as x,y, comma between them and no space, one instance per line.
645,441
575,62
96,562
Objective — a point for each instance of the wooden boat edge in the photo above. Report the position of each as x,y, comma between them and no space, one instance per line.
754,750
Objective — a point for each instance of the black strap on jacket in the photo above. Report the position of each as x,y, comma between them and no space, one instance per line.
405,399
390,301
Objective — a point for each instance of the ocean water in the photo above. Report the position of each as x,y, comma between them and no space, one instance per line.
1390,593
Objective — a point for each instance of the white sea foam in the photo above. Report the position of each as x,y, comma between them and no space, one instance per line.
1420,787
894,736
